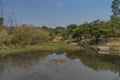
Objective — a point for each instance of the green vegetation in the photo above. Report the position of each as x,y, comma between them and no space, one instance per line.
50,46
97,29
26,38
116,9
23,35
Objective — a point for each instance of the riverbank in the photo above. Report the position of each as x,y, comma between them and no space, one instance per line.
50,46
111,48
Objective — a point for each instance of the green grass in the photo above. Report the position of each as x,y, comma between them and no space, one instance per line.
51,46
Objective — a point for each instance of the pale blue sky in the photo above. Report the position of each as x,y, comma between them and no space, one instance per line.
54,13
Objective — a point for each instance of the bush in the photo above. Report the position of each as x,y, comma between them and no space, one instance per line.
4,37
29,35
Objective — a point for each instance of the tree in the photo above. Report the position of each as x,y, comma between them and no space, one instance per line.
82,30
115,18
116,8
44,27
59,30
51,31
95,30
70,28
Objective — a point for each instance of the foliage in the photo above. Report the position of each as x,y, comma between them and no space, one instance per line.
51,31
59,30
97,29
115,18
29,35
70,28
116,8
4,37
64,33
50,46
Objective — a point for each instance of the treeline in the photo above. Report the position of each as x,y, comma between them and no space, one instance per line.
29,35
96,29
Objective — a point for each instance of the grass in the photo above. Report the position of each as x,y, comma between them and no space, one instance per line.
50,46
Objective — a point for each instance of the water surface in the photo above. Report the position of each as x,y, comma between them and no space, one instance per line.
58,66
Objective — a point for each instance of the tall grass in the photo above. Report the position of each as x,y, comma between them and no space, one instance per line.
23,35
4,37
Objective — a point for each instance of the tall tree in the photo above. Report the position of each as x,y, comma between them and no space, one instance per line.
115,18
116,8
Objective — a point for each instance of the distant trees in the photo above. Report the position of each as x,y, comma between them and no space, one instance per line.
59,30
51,31
70,28
97,29
82,30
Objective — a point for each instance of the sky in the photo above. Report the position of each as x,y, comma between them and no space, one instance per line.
53,13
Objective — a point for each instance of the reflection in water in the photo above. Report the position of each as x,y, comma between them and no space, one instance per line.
98,62
21,60
58,61
59,66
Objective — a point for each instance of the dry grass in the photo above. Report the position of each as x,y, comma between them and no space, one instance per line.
114,43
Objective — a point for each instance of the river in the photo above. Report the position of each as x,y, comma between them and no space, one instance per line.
58,66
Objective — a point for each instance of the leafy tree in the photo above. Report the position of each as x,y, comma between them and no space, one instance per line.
95,29
59,30
82,30
44,27
70,28
51,31
116,8
115,18
64,33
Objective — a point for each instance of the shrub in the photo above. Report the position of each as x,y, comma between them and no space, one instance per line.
29,35
4,37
